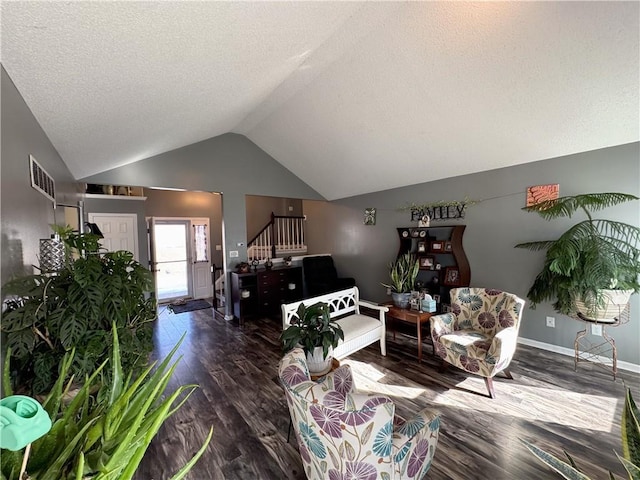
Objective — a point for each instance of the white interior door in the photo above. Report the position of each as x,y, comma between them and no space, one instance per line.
120,231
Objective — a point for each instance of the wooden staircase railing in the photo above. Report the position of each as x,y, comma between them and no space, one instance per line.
281,237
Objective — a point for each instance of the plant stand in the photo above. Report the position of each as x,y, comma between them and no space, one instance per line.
603,354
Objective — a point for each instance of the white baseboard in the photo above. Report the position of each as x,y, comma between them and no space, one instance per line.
631,367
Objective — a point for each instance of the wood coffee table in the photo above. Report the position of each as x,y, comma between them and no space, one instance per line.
409,316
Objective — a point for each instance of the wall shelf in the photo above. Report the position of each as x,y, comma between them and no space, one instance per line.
450,256
102,196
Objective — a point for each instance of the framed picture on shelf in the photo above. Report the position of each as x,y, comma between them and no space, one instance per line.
427,263
422,247
436,298
437,246
448,247
451,276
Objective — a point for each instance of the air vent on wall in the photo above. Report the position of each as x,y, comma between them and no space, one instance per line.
41,180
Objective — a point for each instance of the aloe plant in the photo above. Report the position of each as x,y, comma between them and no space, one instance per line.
104,431
630,448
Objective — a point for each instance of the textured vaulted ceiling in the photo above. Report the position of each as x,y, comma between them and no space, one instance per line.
352,97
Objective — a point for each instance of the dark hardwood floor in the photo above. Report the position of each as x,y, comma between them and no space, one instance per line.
546,403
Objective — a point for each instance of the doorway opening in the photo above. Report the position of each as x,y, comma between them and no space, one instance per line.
180,258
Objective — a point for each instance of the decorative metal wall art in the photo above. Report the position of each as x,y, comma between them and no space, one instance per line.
369,216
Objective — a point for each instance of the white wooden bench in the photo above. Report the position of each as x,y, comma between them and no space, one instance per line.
359,330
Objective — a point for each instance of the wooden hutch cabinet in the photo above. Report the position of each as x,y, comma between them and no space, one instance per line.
443,263
261,293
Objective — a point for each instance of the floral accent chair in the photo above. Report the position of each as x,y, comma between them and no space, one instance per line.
345,435
481,333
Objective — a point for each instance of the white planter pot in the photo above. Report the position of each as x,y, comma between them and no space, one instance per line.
615,301
317,364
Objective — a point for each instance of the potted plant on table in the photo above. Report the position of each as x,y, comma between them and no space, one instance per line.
313,329
594,267
403,273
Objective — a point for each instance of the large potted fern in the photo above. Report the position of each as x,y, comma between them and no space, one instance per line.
594,267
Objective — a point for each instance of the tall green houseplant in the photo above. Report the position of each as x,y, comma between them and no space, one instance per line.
403,273
49,314
591,262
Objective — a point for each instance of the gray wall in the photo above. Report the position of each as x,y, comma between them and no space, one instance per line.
166,203
116,205
26,213
259,209
494,226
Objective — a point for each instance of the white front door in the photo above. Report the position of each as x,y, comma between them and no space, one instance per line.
171,259
180,257
120,231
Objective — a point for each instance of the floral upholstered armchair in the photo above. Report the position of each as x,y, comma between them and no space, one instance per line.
347,435
481,333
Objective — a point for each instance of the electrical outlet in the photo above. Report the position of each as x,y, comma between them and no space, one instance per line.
233,254
218,247
388,291
551,322
596,330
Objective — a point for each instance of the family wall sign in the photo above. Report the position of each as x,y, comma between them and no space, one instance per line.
439,210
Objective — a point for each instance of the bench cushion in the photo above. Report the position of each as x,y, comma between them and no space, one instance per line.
359,331
357,325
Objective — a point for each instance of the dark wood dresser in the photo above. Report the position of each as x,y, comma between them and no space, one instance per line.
261,293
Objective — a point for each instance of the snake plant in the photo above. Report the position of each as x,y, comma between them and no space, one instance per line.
403,273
